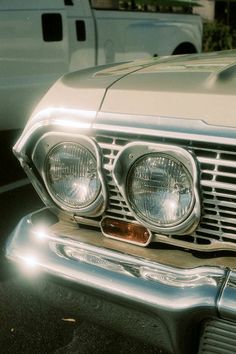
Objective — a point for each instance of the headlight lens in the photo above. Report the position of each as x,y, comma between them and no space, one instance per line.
159,189
72,177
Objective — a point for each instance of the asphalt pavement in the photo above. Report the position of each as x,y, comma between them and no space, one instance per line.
31,325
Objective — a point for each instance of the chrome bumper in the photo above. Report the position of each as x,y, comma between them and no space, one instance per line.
169,303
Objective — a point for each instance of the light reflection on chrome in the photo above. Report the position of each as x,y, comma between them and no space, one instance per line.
29,262
40,233
181,281
72,124
50,117
94,259
61,255
187,279
51,112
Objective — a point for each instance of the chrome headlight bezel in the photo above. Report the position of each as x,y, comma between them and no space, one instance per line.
66,195
131,154
46,144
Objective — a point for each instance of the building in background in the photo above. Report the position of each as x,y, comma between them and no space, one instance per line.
206,10
223,11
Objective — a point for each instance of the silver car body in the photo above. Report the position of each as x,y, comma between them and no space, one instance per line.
178,292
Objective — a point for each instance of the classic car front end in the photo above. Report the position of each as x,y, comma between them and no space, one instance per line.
136,164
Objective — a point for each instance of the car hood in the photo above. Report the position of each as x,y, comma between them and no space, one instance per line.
198,87
201,87
82,92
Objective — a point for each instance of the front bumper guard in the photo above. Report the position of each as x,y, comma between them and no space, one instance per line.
175,301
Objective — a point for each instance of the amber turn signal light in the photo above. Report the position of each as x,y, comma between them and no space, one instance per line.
125,230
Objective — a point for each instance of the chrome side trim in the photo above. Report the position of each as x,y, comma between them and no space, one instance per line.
54,119
191,129
80,120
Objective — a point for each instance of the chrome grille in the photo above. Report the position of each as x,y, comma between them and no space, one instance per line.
219,336
217,229
117,206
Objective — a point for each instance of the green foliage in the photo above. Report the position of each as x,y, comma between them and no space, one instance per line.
170,3
166,6
217,36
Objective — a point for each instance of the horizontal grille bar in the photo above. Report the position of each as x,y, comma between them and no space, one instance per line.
219,336
217,162
221,203
220,185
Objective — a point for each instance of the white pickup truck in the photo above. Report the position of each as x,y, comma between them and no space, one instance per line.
41,40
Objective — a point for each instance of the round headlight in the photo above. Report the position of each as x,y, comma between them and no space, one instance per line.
72,176
159,189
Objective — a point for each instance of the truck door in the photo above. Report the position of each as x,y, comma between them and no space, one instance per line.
33,54
81,34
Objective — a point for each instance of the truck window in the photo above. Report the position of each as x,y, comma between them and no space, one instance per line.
80,30
52,27
167,6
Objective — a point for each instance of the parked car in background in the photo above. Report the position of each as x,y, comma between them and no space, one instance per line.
136,165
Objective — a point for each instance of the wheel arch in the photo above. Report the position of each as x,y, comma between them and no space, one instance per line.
185,48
